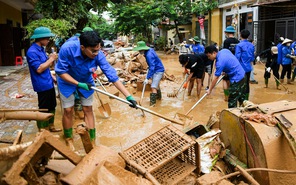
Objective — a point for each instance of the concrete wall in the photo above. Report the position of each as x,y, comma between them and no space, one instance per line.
8,12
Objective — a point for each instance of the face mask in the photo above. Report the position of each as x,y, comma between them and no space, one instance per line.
142,52
288,44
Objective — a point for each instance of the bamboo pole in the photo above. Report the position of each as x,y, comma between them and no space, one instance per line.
25,115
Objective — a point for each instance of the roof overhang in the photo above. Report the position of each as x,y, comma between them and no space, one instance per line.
268,2
20,4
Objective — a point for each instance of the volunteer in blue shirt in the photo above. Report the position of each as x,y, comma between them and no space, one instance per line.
155,71
280,46
196,46
42,80
77,61
286,60
245,53
228,64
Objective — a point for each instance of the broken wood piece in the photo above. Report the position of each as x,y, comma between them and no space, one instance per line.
285,121
12,110
289,137
18,138
25,115
85,138
44,141
247,175
97,156
13,151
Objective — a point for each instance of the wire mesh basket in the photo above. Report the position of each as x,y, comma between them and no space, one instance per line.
168,155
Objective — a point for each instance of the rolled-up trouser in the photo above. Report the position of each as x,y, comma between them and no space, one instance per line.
237,93
156,79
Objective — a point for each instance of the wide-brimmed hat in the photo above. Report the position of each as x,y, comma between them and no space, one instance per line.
287,41
274,50
196,39
141,45
42,32
282,39
229,29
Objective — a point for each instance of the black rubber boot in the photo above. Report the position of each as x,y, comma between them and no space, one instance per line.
159,94
153,97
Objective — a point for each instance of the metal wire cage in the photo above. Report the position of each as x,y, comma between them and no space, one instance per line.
168,156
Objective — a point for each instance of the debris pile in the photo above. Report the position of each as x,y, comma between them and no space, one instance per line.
131,67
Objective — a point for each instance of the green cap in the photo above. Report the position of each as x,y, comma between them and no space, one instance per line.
42,32
229,29
141,45
87,29
196,39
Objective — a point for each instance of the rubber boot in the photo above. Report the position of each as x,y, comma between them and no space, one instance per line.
153,99
42,125
226,94
277,85
247,96
266,82
289,81
92,135
159,94
51,123
68,133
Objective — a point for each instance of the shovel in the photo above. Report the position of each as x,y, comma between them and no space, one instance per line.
185,116
138,106
104,108
174,94
142,95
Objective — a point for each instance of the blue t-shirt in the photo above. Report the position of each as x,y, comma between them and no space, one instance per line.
37,56
286,51
245,53
154,63
72,62
198,48
280,55
228,63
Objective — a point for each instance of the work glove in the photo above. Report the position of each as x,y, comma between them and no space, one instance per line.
145,82
258,58
268,69
185,85
85,86
132,101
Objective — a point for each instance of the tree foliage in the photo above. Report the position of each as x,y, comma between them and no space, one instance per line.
138,16
59,27
200,7
76,12
104,28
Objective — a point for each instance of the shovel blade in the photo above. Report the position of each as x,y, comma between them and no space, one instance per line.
187,120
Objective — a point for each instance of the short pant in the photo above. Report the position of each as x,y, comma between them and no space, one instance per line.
208,69
156,79
69,102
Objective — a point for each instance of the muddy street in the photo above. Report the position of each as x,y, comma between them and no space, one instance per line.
127,126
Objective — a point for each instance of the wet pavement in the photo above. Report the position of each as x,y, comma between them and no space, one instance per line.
126,126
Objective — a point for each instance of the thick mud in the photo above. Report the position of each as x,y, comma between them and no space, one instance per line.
126,126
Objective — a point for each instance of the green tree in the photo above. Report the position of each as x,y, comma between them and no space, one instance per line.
138,16
104,28
75,12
